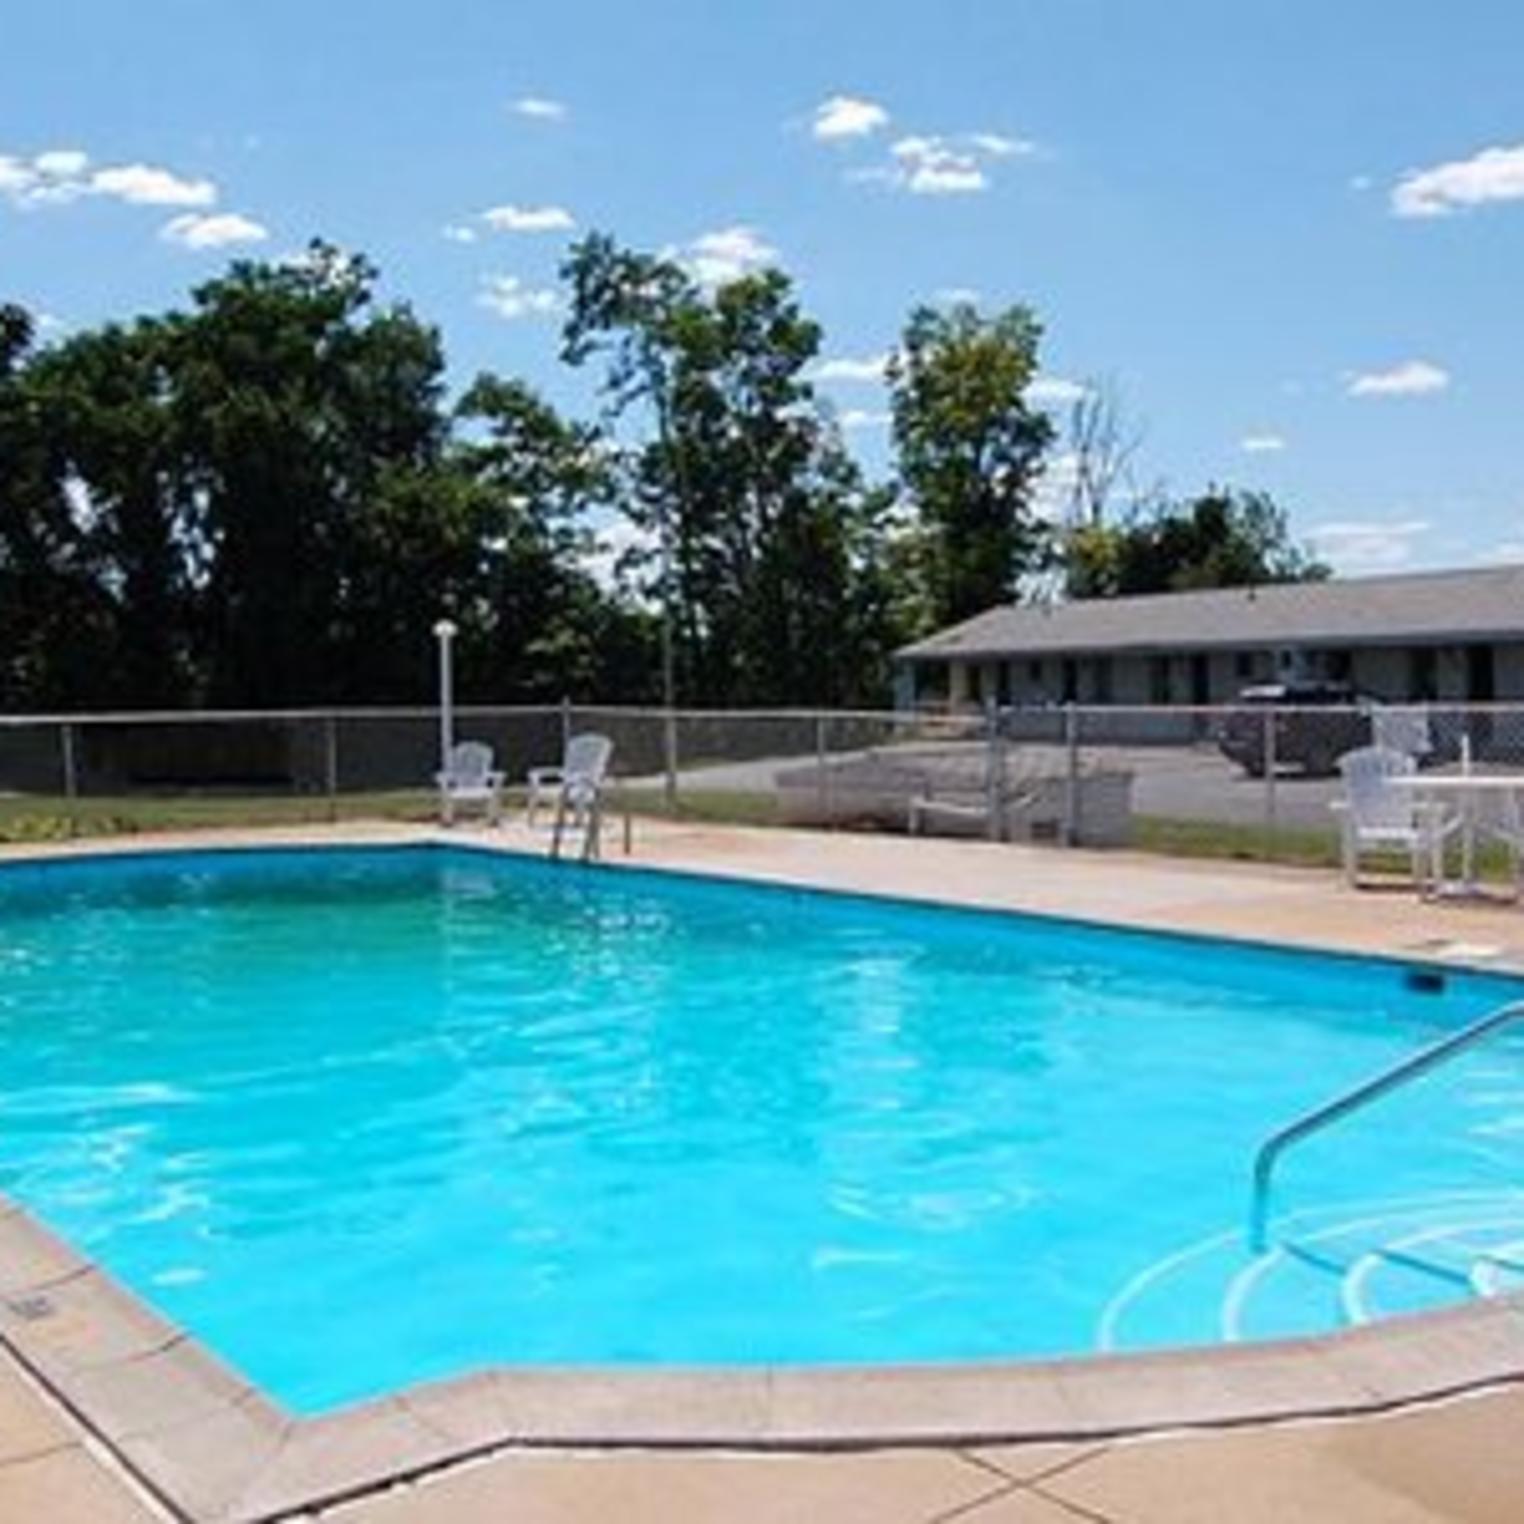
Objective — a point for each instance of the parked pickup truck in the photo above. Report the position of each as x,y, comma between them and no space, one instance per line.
1316,723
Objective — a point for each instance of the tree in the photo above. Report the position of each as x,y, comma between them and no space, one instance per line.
759,530
538,625
1224,538
55,625
970,449
303,409
1100,443
104,400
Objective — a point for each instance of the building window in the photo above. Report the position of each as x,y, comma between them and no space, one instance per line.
1423,674
975,683
1159,689
1034,671
1243,664
1101,678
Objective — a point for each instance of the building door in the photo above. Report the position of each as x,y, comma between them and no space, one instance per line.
1481,675
1481,688
1201,679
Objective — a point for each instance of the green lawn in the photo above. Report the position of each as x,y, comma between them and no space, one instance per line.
39,818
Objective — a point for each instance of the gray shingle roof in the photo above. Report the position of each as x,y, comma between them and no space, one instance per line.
1482,604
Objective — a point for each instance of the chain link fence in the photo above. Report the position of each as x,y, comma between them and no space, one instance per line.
1248,781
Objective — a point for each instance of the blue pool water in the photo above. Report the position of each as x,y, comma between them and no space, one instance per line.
360,1118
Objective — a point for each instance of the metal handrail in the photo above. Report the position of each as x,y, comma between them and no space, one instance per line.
1352,1100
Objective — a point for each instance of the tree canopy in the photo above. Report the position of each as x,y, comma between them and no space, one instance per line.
1224,538
266,497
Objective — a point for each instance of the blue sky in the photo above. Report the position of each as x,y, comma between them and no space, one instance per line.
1292,231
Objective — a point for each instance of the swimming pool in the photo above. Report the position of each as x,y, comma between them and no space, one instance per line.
361,1117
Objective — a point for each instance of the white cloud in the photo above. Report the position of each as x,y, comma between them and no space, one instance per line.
1261,444
149,185
1367,545
957,296
458,232
213,230
62,163
58,176
529,219
726,254
933,167
848,116
1412,378
845,368
1055,391
1055,487
1506,552
540,108
510,298
613,542
1494,174
998,146
865,418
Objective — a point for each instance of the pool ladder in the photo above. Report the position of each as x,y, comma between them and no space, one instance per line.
1360,1096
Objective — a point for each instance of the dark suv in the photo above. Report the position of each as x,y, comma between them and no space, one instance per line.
1318,723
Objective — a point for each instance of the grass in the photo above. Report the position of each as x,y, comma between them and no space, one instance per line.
39,818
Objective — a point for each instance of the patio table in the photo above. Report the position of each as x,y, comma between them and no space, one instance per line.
1467,790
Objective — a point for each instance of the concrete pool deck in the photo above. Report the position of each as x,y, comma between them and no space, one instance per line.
95,1390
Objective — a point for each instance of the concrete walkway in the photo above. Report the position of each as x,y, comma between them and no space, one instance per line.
1461,1461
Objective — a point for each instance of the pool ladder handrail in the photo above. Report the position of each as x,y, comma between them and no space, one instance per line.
1316,1120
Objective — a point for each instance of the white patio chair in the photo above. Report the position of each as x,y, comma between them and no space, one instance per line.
1376,817
546,783
1509,829
1405,729
469,777
578,785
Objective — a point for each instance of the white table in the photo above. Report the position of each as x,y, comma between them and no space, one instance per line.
1466,791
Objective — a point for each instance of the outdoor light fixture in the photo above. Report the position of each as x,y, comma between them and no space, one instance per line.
445,632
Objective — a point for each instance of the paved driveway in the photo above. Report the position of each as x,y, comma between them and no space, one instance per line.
1176,782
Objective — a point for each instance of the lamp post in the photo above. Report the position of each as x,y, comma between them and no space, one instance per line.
444,633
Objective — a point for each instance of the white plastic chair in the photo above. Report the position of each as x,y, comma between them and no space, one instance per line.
1405,729
585,755
1378,817
469,777
578,788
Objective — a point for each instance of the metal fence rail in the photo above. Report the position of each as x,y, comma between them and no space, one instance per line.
1252,781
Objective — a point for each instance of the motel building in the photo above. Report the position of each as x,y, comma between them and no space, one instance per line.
1449,636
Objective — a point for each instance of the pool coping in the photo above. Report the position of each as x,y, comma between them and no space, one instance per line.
214,1449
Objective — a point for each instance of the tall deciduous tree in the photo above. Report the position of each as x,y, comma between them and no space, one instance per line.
970,448
759,529
301,405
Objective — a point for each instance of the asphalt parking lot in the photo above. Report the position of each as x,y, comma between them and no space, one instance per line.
1172,782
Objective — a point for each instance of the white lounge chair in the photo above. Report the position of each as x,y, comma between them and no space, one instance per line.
1376,817
469,777
577,787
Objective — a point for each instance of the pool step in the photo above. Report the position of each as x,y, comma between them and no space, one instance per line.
1325,1270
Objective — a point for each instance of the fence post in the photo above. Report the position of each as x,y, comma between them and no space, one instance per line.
669,749
566,723
1271,714
70,776
822,778
995,772
1071,775
331,764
